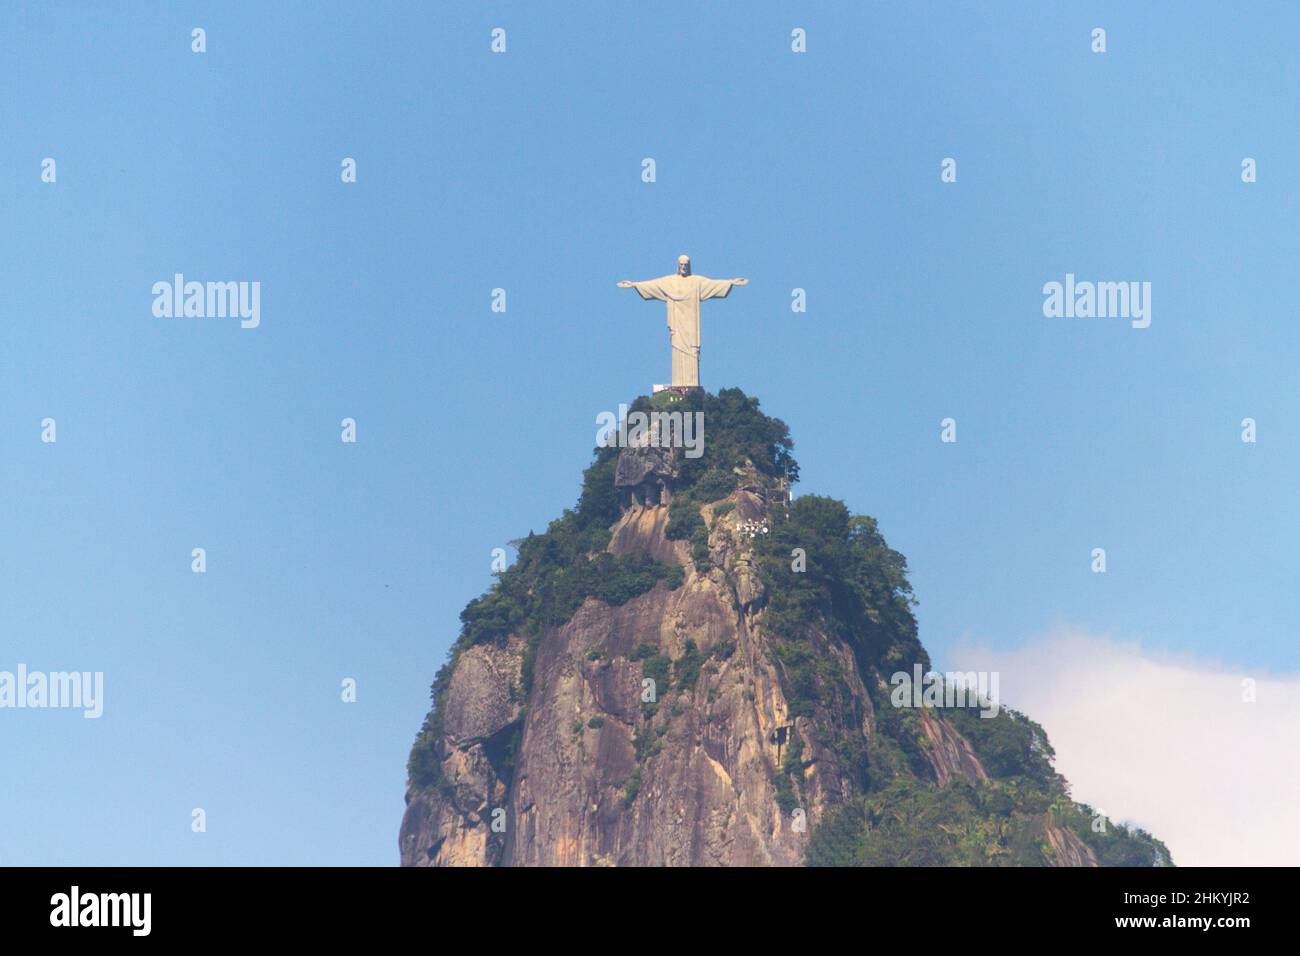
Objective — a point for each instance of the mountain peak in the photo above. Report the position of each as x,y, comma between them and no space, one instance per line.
690,668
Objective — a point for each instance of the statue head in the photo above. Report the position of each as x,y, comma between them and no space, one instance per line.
683,265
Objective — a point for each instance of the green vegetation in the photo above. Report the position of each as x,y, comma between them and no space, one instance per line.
853,589
854,585
904,820
546,586
688,666
686,524
423,767
632,787
785,795
789,779
648,744
653,664
910,823
735,432
1010,745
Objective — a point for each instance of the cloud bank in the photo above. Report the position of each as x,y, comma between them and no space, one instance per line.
1165,743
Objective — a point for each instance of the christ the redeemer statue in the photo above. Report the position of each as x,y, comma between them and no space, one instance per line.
684,292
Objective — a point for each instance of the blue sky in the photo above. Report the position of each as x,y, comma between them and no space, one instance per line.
522,171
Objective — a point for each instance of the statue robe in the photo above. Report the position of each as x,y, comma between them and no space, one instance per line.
684,295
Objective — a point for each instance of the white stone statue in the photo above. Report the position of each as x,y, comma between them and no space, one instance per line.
684,292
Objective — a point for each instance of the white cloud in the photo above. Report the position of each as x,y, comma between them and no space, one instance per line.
1165,743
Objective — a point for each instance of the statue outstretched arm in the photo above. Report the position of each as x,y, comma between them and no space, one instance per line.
649,289
718,288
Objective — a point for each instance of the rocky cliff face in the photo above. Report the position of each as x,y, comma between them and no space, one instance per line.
661,730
